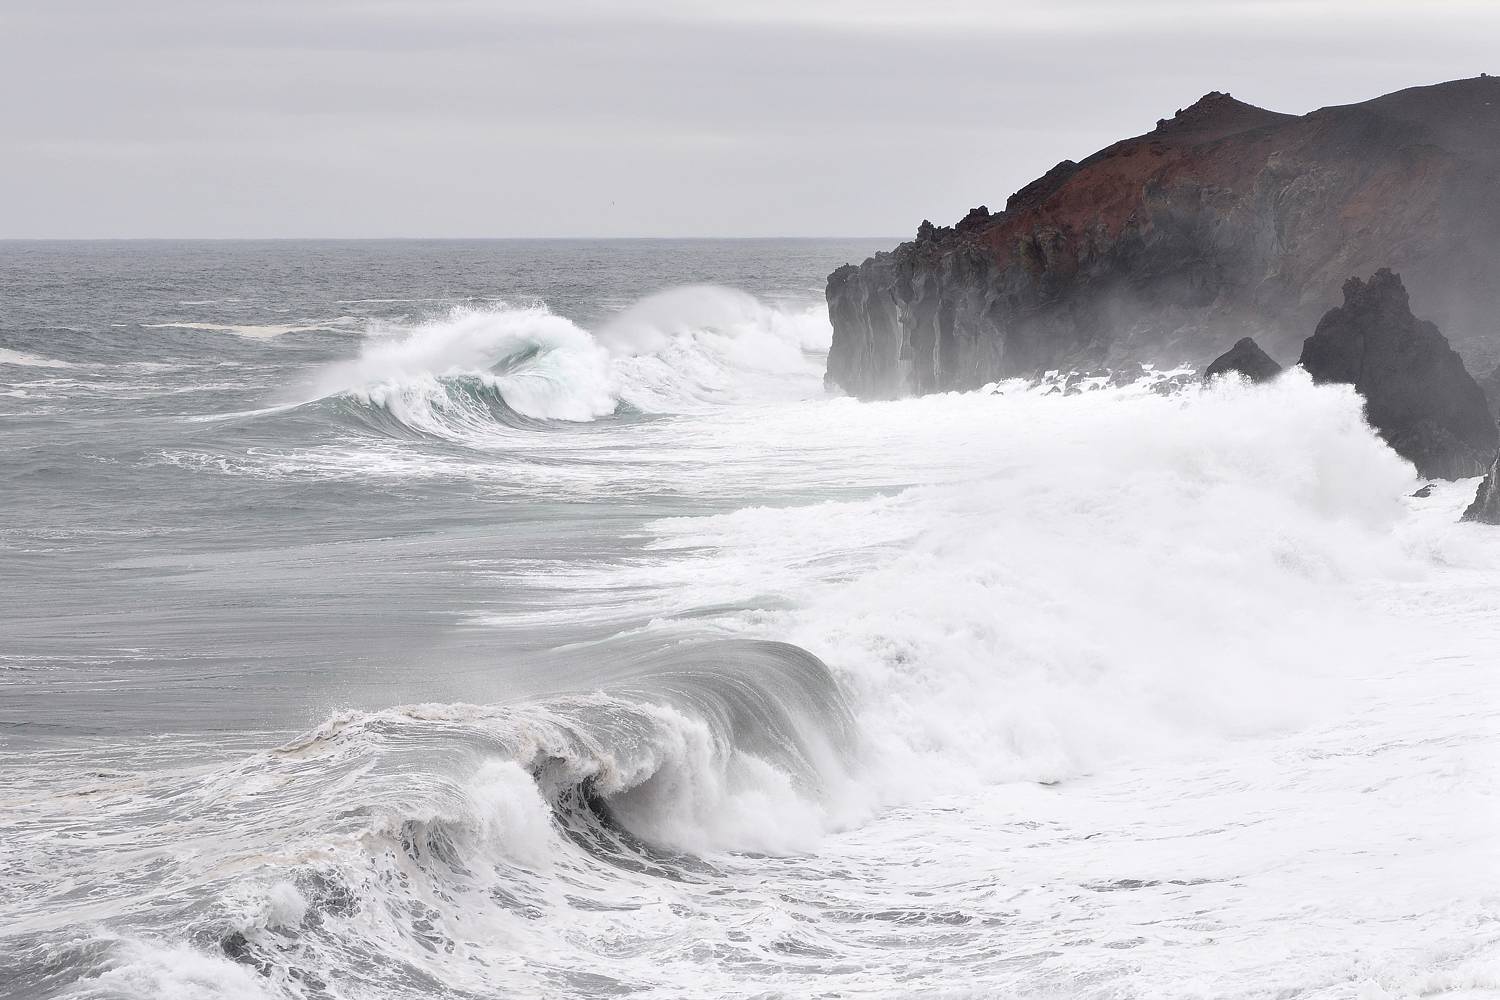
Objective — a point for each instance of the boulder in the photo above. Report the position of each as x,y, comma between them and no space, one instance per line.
1418,394
1244,358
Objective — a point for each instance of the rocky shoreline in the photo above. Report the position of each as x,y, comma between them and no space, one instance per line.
1225,224
1225,221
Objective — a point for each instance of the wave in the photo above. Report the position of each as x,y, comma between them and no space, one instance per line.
420,829
477,371
1082,583
1080,580
695,748
466,408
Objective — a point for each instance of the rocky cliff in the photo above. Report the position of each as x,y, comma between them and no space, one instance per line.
1225,221
1418,394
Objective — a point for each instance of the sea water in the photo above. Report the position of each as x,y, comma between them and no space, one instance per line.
460,619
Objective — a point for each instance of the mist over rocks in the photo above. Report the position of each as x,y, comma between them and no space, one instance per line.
1418,395
1225,221
1244,358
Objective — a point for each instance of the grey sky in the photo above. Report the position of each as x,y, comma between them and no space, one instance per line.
638,117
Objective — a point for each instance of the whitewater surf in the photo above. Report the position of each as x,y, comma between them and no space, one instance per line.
563,636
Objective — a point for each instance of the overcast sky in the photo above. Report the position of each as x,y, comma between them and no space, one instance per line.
636,117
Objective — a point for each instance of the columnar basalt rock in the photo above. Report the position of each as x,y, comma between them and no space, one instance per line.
1225,221
1418,394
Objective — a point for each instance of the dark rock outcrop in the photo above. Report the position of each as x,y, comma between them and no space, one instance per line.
1225,221
1486,505
1418,394
1244,358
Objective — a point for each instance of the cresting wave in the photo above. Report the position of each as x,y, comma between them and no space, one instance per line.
679,351
428,828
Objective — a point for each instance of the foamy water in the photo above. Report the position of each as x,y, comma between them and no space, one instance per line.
508,652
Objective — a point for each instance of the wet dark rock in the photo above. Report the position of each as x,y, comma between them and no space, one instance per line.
238,948
1486,506
1225,221
1127,376
1424,492
1172,384
1244,358
1418,394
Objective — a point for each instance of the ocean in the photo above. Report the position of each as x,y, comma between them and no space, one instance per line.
462,619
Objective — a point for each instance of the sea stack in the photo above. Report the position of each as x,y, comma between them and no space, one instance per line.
1244,358
1418,394
1224,221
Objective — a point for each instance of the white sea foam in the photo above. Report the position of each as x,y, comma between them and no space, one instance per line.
20,359
163,971
1089,579
252,331
1121,576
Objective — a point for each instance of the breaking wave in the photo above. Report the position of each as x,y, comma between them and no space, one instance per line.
1115,576
1078,580
426,829
477,370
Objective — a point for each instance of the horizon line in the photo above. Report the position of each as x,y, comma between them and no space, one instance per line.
412,239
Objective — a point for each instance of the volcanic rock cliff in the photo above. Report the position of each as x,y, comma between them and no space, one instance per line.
1418,394
1225,221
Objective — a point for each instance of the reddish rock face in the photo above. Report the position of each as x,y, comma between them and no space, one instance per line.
1225,221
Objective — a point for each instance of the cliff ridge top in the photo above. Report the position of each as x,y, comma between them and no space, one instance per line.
1214,115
